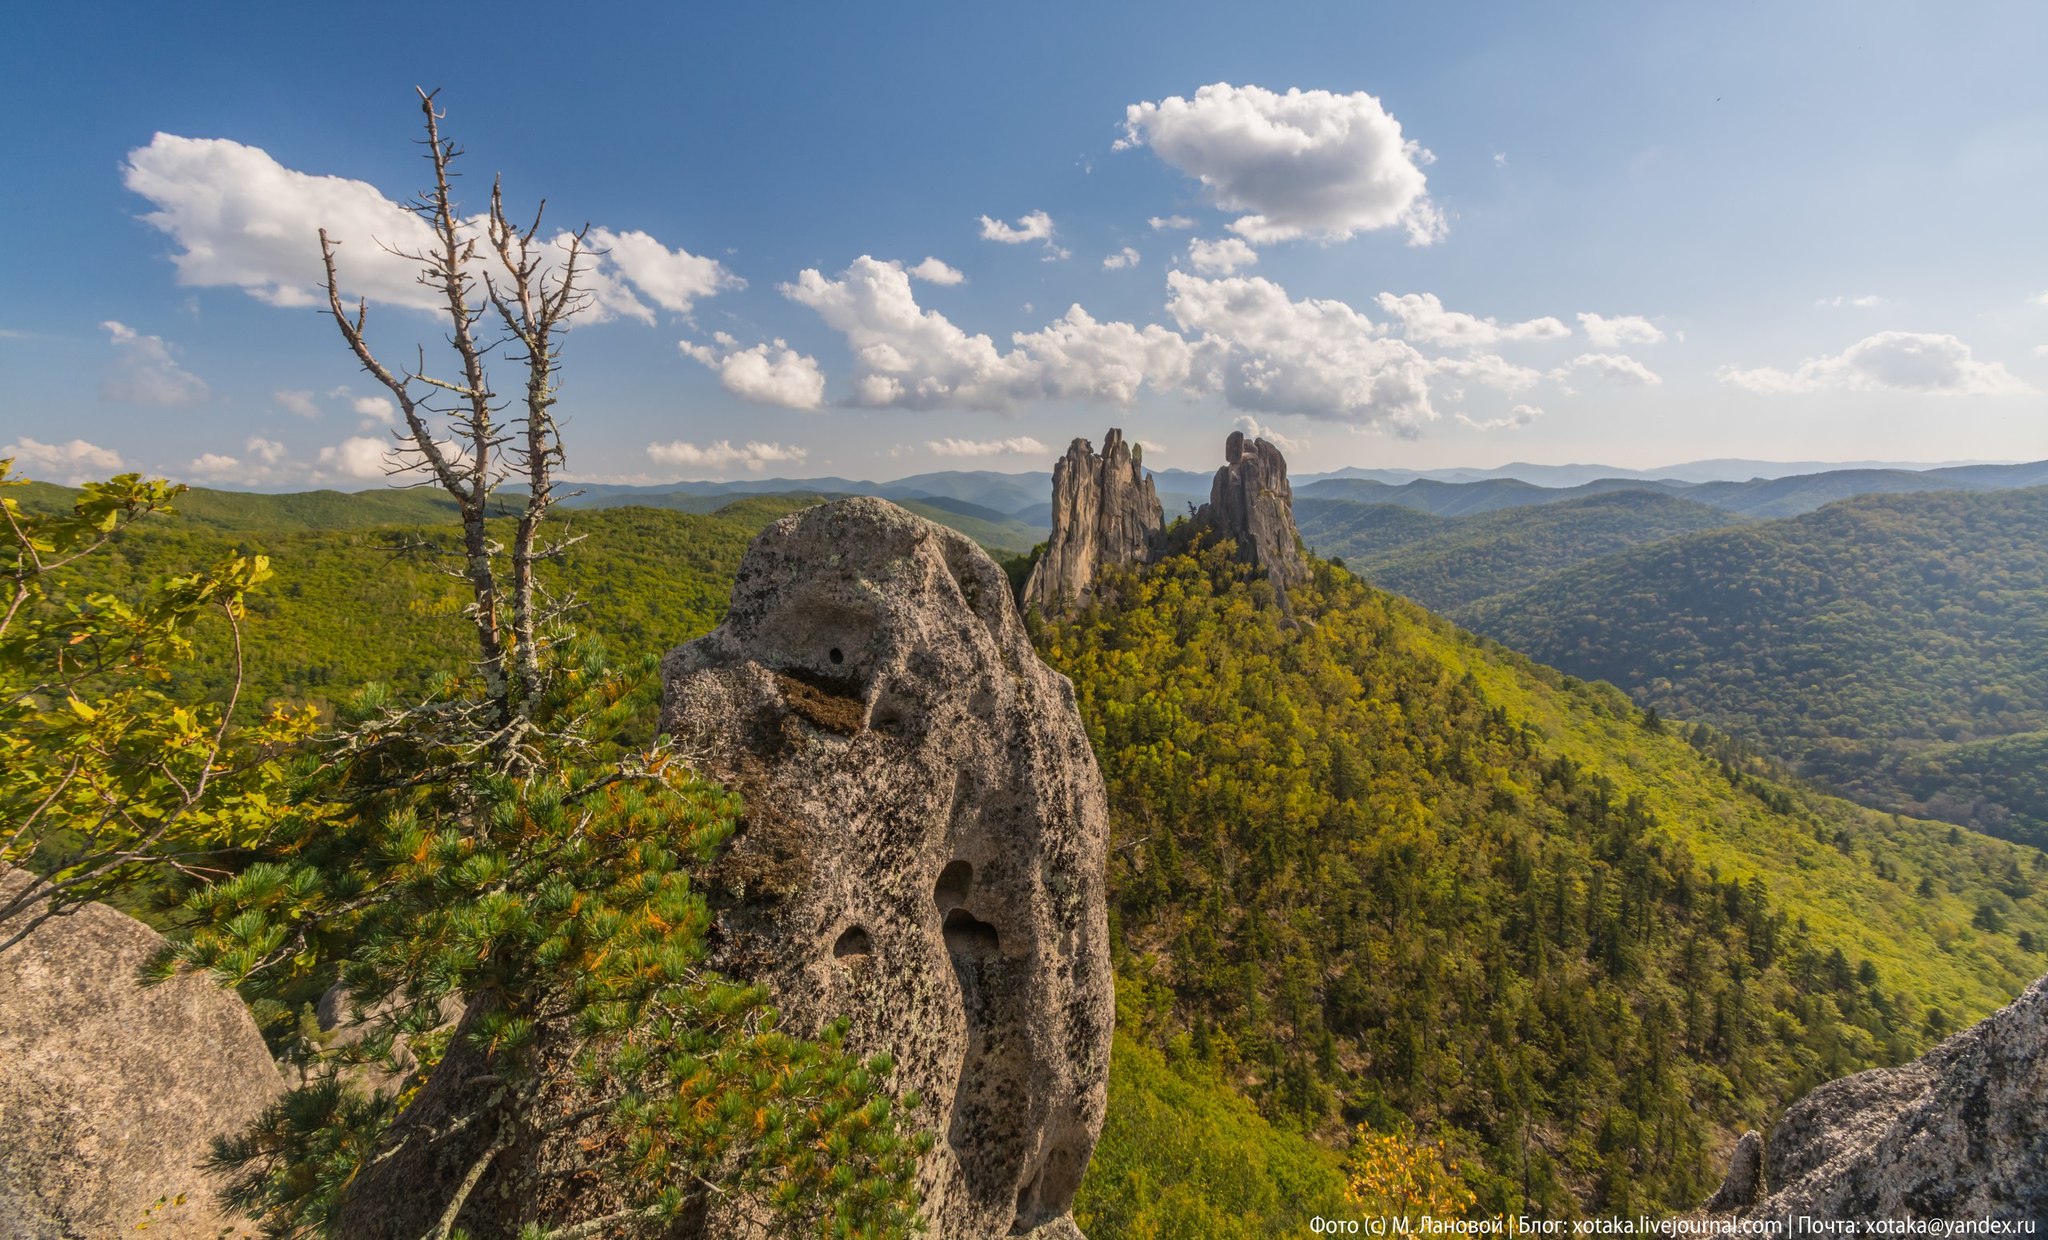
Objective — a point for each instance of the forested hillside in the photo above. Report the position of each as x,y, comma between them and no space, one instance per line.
1447,563
1894,646
1363,870
378,602
1369,869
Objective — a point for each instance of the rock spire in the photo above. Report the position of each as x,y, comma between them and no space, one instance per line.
925,838
1251,504
1104,512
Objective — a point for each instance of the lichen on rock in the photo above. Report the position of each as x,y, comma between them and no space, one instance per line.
924,842
112,1091
1960,1132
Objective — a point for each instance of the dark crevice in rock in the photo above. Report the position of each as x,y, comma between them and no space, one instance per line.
854,944
954,882
822,700
970,938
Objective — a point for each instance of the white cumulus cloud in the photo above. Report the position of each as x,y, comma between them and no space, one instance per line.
1019,445
1616,368
243,220
1126,257
721,456
1925,362
268,451
360,456
214,466
1424,319
374,411
932,271
1490,370
907,356
1621,330
1220,258
673,279
298,403
1270,354
1255,429
1160,223
144,373
1037,226
76,461
767,374
1303,164
1517,418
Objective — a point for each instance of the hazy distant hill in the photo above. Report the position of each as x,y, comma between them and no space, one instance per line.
1446,563
1758,497
1724,469
995,530
300,510
1895,646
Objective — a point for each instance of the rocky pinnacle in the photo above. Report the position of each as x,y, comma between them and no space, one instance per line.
1104,512
924,843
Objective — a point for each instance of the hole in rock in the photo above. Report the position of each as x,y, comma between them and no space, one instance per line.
954,882
854,943
969,937
1050,1193
836,655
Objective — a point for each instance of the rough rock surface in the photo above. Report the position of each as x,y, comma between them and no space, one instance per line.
111,1092
1251,503
924,843
1104,512
1744,1183
1960,1132
348,1023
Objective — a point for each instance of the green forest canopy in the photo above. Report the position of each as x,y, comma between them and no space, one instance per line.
1366,869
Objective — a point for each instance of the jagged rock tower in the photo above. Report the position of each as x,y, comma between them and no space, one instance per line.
1104,512
1961,1132
924,843
1251,504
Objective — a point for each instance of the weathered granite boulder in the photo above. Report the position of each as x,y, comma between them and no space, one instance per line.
1104,512
1960,1132
924,841
1251,503
111,1092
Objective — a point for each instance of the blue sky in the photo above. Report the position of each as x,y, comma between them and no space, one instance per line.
1634,234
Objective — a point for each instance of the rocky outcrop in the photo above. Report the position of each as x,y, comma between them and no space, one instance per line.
1104,512
1960,1132
924,842
112,1092
1251,504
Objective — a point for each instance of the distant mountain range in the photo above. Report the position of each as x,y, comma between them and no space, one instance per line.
1013,511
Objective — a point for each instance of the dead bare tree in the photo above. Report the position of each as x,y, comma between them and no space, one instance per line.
531,283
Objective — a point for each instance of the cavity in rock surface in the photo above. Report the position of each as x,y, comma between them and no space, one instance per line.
112,1092
1105,512
1960,1132
919,785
